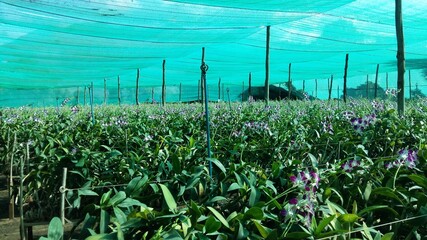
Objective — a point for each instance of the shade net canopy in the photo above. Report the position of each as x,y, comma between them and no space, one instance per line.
51,50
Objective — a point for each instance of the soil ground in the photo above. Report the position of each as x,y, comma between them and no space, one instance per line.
10,228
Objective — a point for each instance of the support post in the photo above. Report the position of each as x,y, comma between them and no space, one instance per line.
316,86
250,85
105,91
367,86
180,92
330,87
303,85
137,88
400,59
163,83
219,89
204,68
267,66
376,82
63,192
78,95
84,97
289,83
386,81
21,198
410,85
243,90
91,103
345,79
118,89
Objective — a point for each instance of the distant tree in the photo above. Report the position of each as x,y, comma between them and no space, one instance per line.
417,93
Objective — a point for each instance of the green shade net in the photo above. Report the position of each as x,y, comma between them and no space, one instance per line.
52,50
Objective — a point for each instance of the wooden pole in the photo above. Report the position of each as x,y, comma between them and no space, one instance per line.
21,198
289,82
91,102
345,79
152,95
376,82
137,88
180,92
163,83
330,87
199,86
219,89
62,190
78,94
386,81
204,68
400,59
105,91
11,204
84,97
367,86
250,85
243,90
223,97
316,86
267,66
303,85
118,89
410,85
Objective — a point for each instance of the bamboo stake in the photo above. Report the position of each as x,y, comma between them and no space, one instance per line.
410,85
137,88
376,82
367,86
303,85
250,85
267,66
118,89
180,92
400,59
219,89
11,204
204,68
163,83
78,94
63,192
316,86
345,78
84,97
289,82
105,91
21,200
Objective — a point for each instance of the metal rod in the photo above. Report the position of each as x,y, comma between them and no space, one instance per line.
63,192
204,68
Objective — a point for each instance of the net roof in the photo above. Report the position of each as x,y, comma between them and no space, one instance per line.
62,43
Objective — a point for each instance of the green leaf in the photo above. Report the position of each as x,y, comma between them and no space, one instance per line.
217,198
118,198
105,198
55,230
218,164
120,215
86,192
104,221
297,235
170,201
211,225
135,186
234,186
323,224
254,197
176,164
375,207
128,202
242,233
254,213
219,216
419,180
386,192
348,218
388,236
264,231
367,192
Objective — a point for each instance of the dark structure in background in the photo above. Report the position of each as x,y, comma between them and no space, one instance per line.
275,93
